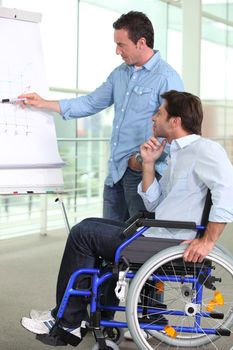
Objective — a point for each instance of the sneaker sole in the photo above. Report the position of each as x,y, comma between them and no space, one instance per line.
29,327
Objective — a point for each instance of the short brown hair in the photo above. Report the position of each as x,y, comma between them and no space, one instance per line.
186,106
138,26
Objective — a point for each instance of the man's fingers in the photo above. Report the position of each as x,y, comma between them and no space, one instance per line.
163,143
193,255
190,256
201,259
186,242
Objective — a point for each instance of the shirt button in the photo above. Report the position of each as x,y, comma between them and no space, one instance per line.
110,159
114,144
127,93
122,110
134,77
117,127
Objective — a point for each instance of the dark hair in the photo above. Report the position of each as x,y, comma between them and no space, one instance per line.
186,106
138,26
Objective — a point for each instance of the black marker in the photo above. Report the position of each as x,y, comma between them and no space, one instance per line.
12,100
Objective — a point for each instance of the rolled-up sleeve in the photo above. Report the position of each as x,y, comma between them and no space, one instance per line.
90,104
151,197
216,172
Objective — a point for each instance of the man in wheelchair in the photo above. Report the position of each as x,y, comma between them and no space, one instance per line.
195,165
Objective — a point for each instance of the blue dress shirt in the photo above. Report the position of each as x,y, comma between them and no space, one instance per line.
195,164
136,97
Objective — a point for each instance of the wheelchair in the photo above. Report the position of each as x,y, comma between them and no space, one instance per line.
179,304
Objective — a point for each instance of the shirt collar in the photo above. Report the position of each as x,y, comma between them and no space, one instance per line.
151,63
153,60
184,141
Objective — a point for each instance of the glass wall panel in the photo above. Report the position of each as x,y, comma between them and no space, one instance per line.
230,11
214,121
97,56
217,8
174,38
213,71
156,10
217,71
229,65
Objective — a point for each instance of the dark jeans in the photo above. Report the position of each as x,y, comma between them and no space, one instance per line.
122,201
87,241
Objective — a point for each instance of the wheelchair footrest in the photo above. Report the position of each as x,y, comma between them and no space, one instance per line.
156,319
50,340
59,337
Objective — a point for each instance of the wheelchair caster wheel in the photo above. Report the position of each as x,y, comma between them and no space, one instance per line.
114,334
110,346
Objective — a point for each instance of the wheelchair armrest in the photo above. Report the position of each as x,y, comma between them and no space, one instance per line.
142,214
139,222
168,224
132,228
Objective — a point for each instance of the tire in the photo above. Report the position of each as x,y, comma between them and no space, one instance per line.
114,334
181,296
110,344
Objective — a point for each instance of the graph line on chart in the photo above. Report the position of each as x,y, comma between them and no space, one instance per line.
14,120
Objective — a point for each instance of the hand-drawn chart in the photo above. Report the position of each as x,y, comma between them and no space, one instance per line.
28,133
29,157
13,119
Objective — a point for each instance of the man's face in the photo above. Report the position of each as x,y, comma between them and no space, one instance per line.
161,126
125,47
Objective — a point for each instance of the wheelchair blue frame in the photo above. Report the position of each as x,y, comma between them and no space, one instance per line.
97,280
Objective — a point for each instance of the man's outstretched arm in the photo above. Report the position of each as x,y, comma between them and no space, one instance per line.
33,99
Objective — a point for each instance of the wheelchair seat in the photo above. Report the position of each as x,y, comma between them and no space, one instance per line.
144,248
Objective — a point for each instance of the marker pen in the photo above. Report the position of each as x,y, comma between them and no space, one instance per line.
13,100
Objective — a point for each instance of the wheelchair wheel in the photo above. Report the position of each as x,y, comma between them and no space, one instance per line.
110,345
195,305
114,334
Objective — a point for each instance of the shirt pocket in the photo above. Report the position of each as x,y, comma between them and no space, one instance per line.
141,99
180,180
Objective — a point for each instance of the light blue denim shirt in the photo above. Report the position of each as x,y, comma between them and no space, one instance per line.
195,164
136,97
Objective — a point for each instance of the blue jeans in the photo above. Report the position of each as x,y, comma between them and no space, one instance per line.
122,200
87,241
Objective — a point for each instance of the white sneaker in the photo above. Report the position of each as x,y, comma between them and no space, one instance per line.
41,315
128,336
37,326
44,327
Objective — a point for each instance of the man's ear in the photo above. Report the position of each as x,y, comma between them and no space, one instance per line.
141,44
177,121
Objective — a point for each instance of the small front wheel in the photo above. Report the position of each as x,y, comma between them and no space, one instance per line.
114,334
110,345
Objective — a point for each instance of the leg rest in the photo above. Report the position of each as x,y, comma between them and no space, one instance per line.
59,337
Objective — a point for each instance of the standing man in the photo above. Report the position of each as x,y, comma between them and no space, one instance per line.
134,88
